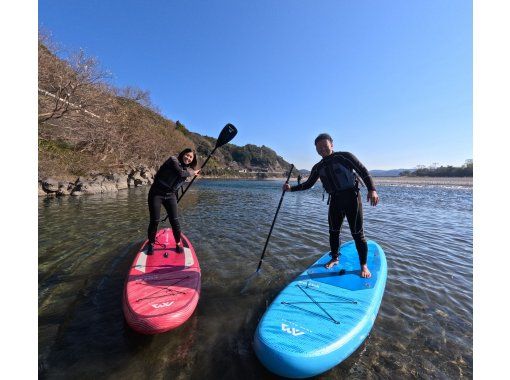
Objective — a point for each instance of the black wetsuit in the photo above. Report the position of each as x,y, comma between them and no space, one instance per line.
164,192
336,172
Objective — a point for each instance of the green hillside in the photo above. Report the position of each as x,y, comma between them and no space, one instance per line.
87,126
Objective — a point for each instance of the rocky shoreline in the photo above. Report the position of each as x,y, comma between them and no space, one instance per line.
98,183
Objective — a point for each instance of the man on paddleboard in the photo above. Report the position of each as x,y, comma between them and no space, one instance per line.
163,191
337,171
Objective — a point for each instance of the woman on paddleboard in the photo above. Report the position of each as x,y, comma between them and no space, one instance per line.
337,173
163,191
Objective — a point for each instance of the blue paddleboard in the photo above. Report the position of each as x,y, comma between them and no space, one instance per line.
322,317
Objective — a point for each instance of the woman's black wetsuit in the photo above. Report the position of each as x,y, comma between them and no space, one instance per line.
337,177
164,192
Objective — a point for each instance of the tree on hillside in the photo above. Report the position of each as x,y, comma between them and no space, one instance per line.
468,163
80,111
466,170
86,124
68,88
140,96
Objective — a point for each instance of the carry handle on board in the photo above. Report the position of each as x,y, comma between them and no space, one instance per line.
227,134
274,220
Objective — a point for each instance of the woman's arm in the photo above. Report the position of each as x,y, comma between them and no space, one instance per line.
173,162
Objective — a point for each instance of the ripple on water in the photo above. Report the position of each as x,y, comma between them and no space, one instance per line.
86,245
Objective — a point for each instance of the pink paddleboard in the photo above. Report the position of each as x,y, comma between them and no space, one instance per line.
162,289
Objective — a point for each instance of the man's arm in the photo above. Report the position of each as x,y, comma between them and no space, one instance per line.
310,181
360,169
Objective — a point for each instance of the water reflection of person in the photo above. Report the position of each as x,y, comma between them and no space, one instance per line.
163,191
337,171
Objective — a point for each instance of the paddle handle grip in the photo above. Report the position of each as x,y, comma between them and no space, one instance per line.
191,182
227,134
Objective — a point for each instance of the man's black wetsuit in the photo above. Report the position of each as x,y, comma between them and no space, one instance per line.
164,191
336,172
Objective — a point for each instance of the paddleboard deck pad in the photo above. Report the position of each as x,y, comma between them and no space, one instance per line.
322,317
162,290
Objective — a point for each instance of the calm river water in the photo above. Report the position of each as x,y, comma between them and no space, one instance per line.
87,245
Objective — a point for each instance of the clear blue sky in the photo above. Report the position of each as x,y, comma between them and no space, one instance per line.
391,81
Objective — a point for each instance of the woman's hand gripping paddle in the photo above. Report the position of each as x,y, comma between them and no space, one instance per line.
226,135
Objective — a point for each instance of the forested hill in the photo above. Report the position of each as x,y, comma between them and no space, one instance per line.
465,170
88,126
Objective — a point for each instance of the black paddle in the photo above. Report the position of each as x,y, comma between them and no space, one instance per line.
227,134
274,220
248,281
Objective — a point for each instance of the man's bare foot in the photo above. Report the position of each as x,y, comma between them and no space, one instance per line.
365,273
331,263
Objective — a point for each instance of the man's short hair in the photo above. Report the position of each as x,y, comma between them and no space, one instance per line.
323,136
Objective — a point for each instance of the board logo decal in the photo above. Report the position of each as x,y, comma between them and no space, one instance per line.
291,330
160,305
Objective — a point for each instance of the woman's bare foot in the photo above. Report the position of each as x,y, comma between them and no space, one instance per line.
365,273
331,263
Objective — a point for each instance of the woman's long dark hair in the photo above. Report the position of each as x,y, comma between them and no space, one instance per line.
193,164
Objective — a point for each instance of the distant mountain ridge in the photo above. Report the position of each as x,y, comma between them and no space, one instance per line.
231,159
373,173
387,173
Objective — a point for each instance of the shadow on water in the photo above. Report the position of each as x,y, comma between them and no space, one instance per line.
92,333
92,322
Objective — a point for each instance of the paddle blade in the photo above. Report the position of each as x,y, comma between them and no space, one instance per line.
226,135
249,280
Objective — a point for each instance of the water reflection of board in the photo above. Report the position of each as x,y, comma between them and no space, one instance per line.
322,317
162,290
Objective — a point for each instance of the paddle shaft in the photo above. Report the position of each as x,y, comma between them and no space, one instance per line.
274,220
205,162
